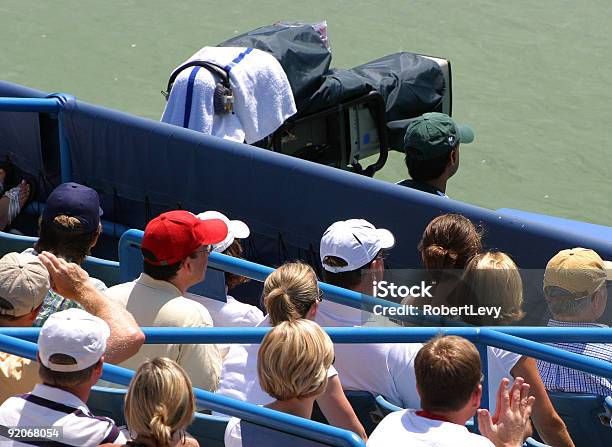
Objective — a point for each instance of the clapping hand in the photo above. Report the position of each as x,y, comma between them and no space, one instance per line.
507,426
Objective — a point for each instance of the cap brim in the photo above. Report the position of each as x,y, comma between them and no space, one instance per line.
387,240
466,134
239,229
211,231
608,267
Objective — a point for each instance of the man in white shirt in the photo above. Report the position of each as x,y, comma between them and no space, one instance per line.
231,312
448,374
351,254
71,348
175,249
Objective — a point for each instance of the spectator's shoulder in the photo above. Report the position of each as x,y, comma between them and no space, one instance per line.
121,292
186,311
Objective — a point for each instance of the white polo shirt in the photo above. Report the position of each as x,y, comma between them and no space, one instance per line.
47,406
406,428
385,369
160,304
239,379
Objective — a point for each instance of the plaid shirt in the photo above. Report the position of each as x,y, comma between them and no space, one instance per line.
561,378
54,302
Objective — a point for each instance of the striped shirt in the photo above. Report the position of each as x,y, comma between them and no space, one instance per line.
47,406
562,378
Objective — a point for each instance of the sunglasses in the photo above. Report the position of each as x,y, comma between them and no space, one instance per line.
205,249
320,297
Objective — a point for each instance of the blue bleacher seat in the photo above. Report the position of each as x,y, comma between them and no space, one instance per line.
385,406
106,271
208,430
587,417
365,408
107,402
255,435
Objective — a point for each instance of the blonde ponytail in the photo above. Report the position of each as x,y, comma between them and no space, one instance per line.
290,291
160,431
159,402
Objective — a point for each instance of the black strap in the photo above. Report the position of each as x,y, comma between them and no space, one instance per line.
213,68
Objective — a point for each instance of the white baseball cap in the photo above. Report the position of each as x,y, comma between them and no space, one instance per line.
356,241
76,333
236,229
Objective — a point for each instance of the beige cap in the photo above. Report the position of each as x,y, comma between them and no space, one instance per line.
579,271
24,283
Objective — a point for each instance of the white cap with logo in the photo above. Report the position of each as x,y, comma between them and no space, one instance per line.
74,333
355,241
236,229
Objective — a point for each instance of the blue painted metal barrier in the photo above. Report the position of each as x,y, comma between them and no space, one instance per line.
253,413
482,336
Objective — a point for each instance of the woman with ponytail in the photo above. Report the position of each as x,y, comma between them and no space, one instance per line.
447,244
291,293
159,405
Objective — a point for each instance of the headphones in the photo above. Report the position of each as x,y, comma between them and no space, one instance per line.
223,97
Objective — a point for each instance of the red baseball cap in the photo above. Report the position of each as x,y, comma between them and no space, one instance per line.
172,236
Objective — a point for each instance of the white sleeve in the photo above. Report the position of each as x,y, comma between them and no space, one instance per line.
401,366
331,372
233,436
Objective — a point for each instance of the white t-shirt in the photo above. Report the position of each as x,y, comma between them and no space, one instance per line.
231,313
500,363
385,369
233,435
239,378
405,428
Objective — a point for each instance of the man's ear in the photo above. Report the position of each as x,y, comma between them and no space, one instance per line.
476,396
453,156
378,264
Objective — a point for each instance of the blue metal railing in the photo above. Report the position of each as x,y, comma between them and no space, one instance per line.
253,413
44,105
479,336
160,335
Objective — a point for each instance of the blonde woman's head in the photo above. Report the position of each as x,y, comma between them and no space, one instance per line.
492,279
159,404
293,360
290,292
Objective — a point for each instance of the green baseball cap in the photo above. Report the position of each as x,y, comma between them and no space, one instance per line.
434,134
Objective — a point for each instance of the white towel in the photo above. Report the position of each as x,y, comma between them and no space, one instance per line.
263,99
202,117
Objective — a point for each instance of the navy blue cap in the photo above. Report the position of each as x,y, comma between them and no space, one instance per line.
72,199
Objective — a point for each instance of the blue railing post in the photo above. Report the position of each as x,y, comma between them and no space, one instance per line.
65,159
484,363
